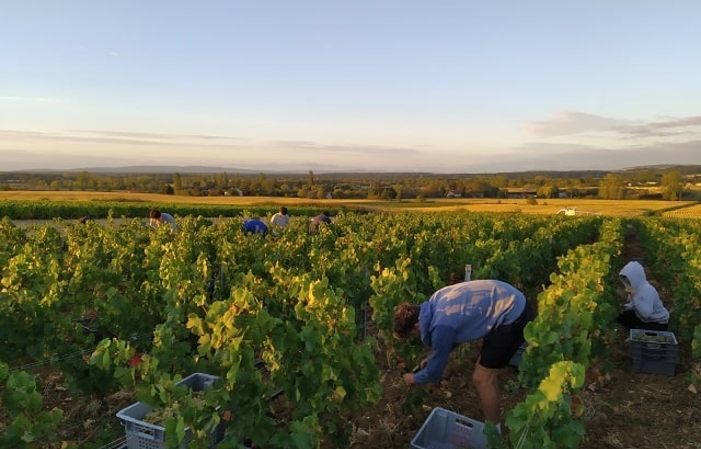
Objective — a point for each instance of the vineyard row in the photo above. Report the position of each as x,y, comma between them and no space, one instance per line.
214,299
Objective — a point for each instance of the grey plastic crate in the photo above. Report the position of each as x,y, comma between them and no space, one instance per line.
654,357
444,429
143,435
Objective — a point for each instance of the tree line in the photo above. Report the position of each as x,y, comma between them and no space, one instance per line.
670,183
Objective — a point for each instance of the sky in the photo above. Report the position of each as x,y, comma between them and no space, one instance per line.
442,86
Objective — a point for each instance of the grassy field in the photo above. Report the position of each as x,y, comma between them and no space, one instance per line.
628,208
693,211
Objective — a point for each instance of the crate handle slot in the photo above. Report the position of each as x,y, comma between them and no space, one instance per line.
464,423
145,435
653,354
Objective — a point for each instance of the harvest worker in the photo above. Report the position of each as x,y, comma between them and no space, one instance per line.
488,310
255,227
157,218
644,310
281,219
318,220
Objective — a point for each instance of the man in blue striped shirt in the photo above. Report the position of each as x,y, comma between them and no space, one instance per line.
488,310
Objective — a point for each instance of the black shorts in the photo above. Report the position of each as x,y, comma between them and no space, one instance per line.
502,343
630,320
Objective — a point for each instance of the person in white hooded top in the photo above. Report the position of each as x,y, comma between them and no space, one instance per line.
644,310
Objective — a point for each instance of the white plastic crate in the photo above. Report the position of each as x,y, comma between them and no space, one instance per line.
143,435
444,429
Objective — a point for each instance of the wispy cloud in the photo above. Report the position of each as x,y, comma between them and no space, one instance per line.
564,157
28,160
128,138
573,122
156,136
662,128
351,149
113,53
29,99
58,148
220,149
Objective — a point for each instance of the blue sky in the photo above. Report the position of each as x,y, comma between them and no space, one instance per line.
384,85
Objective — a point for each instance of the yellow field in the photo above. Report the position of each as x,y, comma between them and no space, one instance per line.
626,208
686,212
623,208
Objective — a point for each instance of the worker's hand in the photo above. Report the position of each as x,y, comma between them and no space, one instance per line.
420,366
409,379
628,306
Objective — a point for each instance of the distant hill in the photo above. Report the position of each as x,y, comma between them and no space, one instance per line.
194,169
170,169
157,169
684,169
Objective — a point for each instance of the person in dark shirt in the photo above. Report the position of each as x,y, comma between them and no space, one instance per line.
318,220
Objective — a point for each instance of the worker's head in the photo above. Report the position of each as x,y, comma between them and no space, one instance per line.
624,279
406,320
633,276
155,214
626,284
283,210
